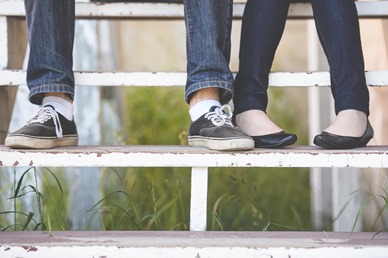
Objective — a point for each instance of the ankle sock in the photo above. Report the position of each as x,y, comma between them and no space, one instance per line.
202,107
61,105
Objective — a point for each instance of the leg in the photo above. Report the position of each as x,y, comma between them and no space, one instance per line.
262,29
338,30
209,79
49,76
208,28
50,62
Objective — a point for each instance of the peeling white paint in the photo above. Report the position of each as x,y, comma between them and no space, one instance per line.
184,156
175,11
276,79
194,252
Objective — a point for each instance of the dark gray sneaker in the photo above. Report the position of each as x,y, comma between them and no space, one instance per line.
214,130
48,129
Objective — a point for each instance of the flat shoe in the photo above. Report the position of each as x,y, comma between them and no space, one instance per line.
333,141
274,140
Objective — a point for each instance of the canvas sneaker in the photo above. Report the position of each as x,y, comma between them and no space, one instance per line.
215,130
48,129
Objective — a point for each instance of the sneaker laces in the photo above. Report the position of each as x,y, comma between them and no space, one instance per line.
46,113
219,117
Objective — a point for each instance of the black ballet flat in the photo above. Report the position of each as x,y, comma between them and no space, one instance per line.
332,141
274,140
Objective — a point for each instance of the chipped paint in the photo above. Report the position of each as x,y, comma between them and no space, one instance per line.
184,156
167,79
377,9
30,248
178,244
204,252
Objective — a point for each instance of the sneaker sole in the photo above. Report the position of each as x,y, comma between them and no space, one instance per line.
23,142
221,144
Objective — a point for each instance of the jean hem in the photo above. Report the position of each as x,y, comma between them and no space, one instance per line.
37,92
226,89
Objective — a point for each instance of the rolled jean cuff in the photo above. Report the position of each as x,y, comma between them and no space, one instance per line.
37,92
225,89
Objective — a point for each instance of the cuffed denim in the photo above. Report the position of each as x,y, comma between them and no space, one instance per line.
208,45
51,37
338,29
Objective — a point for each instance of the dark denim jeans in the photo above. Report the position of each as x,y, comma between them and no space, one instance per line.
338,29
208,28
51,36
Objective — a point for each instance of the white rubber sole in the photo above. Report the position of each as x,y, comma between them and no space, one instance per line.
23,142
221,144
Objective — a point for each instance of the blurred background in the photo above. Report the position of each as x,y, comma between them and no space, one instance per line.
159,198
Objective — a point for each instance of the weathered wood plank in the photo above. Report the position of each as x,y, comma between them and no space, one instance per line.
13,44
277,79
173,244
184,156
374,9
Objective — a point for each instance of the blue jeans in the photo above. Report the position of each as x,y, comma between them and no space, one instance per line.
338,30
51,36
208,29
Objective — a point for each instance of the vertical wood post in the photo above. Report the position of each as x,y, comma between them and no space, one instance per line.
13,45
198,199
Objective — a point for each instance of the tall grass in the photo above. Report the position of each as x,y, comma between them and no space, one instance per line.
158,198
29,203
375,196
145,199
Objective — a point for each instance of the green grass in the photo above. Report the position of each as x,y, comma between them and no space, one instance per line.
30,185
159,198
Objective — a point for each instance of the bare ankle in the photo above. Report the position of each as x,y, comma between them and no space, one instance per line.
349,122
256,122
204,94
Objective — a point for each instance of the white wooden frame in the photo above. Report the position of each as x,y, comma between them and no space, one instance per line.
199,160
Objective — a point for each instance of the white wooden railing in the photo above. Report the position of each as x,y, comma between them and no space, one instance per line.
198,159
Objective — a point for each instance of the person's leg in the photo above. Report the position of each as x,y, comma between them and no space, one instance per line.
209,79
338,29
262,28
49,75
51,37
208,29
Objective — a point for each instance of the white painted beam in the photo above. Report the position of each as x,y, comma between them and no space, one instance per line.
276,79
372,9
184,156
178,244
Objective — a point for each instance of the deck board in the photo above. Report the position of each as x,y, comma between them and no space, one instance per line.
373,9
193,244
184,156
376,78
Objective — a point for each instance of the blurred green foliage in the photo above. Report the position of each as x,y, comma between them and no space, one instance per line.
159,198
238,198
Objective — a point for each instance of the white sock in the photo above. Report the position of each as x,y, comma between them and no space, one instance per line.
202,107
61,105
